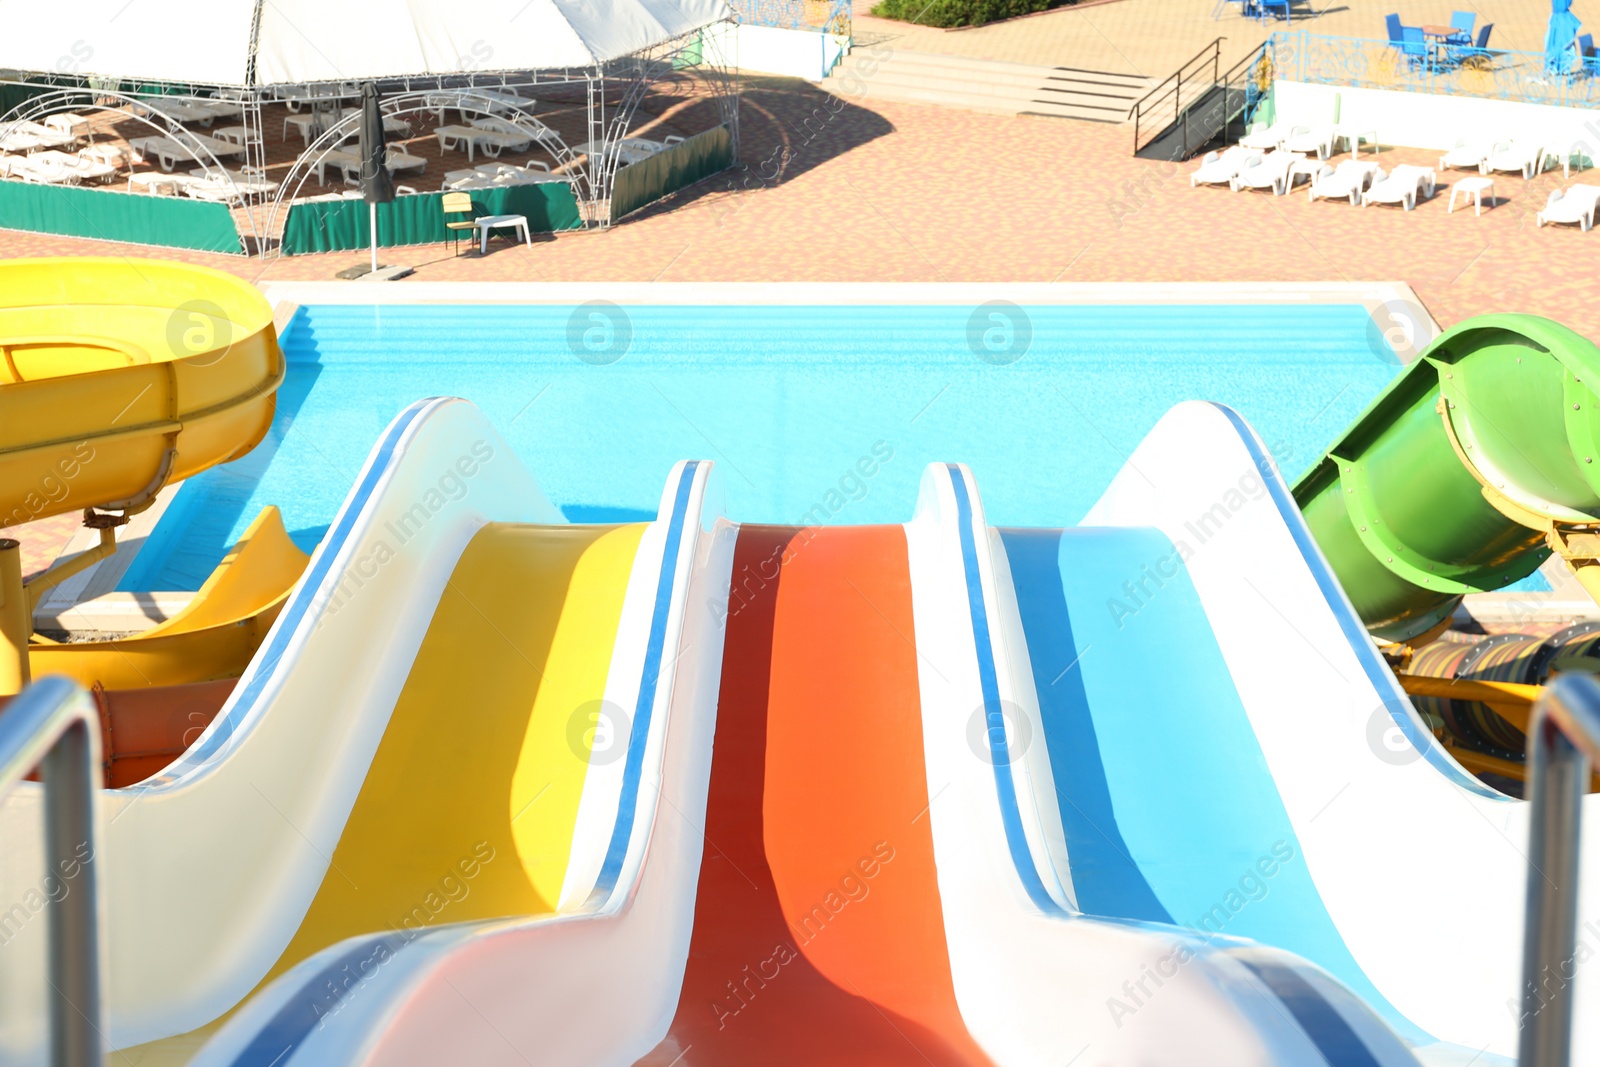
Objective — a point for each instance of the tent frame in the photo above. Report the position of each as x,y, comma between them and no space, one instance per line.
612,92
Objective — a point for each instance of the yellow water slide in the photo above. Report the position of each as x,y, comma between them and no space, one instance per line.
468,809
117,378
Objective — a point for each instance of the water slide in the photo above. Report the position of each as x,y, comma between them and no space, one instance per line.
936,792
1231,753
817,850
118,378
412,746
1475,462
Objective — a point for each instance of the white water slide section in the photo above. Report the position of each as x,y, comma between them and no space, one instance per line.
1033,976
1417,870
208,869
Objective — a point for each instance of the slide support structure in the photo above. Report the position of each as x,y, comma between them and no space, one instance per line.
16,625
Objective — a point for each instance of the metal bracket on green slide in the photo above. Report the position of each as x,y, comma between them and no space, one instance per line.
1450,480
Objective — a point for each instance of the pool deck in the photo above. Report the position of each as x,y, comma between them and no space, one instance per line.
872,191
881,191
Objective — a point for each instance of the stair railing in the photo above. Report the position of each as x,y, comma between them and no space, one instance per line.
1168,96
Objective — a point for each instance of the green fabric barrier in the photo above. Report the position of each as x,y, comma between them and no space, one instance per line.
129,217
341,225
669,170
12,96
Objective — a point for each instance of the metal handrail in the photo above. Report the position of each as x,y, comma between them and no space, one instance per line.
1563,739
1212,51
53,725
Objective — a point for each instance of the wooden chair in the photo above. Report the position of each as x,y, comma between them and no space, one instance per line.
458,204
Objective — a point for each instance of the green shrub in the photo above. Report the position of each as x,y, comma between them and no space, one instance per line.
947,13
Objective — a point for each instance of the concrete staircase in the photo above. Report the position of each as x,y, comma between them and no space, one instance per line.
868,74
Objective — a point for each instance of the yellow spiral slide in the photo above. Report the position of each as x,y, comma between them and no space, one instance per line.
117,378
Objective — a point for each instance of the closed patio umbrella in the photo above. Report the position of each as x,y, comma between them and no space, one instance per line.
377,186
1560,40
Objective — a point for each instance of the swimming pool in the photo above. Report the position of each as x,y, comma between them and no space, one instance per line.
793,404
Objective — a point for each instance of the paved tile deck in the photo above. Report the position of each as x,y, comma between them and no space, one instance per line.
880,191
1155,37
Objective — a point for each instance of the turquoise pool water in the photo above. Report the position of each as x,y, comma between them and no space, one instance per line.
1043,403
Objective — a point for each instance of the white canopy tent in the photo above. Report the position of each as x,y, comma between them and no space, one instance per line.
165,61
254,43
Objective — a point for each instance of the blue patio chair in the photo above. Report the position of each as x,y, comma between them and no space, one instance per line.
1414,46
1463,21
1275,8
1392,22
1479,50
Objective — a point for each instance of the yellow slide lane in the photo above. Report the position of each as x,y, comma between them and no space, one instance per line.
468,809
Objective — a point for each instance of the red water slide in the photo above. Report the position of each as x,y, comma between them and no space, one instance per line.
819,933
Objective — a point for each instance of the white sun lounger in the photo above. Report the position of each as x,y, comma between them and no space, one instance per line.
1466,155
523,125
71,124
1270,171
1309,139
1262,137
1527,159
31,136
1574,206
349,164
470,139
39,171
180,147
1405,185
1221,168
89,170
1347,181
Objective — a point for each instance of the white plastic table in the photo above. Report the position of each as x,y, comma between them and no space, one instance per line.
496,222
1473,187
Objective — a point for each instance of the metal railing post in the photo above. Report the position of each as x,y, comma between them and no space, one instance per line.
16,622
1563,738
53,725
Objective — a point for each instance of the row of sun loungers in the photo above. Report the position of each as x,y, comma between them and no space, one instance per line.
190,110
493,135
349,164
181,146
1364,183
33,136
493,175
54,168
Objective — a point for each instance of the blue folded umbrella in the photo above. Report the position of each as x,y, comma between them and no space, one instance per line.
1560,40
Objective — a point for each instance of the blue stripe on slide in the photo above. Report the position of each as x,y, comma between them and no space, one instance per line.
1339,1044
643,709
1170,810
1105,878
305,597
322,995
994,719
1360,641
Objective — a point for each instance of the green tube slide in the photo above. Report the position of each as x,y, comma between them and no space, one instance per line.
1413,504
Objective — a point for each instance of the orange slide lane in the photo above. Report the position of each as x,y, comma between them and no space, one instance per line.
818,934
